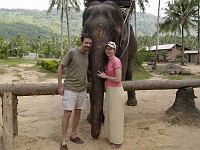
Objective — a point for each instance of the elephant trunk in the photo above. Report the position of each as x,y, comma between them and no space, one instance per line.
97,63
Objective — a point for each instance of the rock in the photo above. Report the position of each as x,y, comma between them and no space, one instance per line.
185,72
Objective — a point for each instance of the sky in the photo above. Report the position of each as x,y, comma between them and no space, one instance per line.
44,5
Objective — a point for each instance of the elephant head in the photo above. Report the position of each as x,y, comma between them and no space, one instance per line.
105,22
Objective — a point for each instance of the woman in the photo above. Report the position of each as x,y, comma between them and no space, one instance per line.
114,100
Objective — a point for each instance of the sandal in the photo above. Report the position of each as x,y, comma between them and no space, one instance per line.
114,146
76,140
63,147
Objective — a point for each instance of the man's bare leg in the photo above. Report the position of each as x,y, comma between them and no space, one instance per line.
77,114
65,123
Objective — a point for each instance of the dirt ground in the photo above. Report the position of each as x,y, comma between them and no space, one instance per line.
146,128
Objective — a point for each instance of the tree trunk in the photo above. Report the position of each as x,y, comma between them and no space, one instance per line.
68,26
182,52
157,38
61,30
135,18
184,110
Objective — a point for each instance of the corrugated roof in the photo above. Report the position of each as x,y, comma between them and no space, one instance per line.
164,47
191,52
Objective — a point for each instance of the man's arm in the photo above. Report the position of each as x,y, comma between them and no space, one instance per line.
60,85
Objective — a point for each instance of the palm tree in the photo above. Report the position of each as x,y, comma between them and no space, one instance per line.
179,17
142,7
74,4
157,37
59,3
63,5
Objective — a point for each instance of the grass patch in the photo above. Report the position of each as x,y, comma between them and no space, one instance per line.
15,61
182,77
33,68
139,73
38,68
48,73
195,77
174,77
159,70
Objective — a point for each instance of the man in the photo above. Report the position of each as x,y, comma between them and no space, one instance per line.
74,91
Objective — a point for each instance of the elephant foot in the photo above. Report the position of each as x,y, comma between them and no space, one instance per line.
132,102
89,118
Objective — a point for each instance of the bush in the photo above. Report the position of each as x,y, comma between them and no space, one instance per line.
144,56
3,56
50,65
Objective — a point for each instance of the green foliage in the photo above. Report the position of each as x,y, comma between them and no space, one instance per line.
2,56
32,23
149,41
179,56
3,48
163,54
18,44
144,55
179,17
50,65
139,73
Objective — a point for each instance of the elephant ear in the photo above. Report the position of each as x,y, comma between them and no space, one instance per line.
125,35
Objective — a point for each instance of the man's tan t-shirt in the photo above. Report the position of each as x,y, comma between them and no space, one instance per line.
76,64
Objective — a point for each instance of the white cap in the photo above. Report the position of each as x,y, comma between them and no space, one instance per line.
111,44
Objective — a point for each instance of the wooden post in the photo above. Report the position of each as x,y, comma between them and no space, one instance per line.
8,139
15,120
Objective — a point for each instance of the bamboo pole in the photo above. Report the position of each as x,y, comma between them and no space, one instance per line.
29,89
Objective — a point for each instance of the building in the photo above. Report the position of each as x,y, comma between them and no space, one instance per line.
172,49
31,55
192,55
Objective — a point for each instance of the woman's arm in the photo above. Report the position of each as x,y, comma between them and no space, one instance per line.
117,78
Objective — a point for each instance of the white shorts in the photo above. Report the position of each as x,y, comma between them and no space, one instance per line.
74,100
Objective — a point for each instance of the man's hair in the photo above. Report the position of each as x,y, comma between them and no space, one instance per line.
85,35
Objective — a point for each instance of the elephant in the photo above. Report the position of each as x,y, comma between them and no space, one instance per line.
105,21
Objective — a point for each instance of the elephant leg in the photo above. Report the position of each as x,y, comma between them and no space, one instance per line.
89,116
132,101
